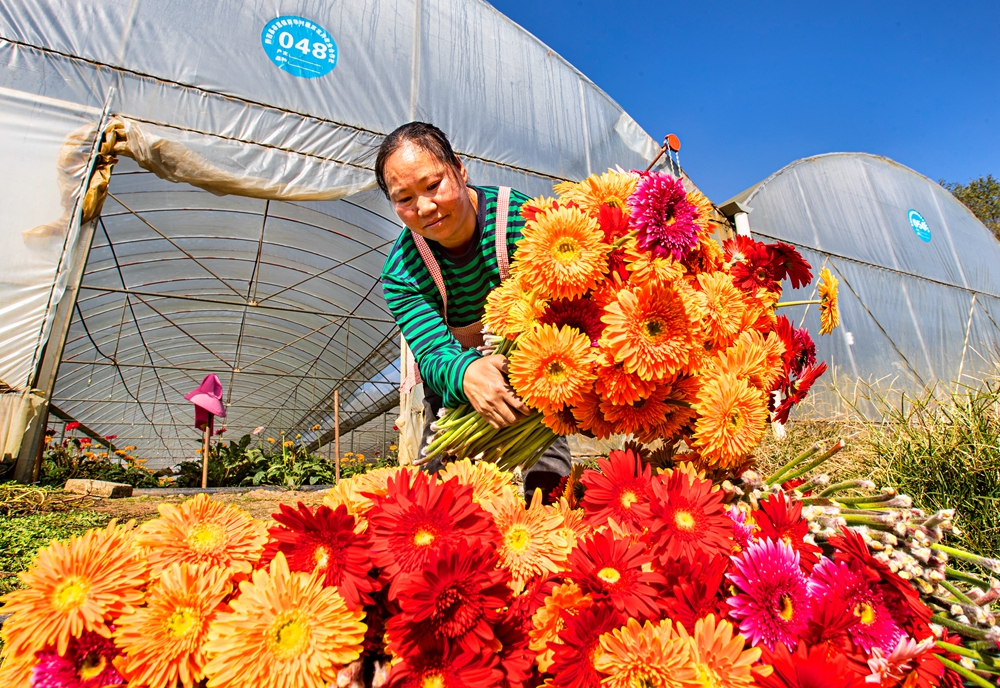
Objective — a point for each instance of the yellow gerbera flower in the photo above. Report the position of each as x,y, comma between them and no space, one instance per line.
552,366
562,253
754,358
74,587
706,210
718,655
611,188
564,601
286,630
486,479
829,311
163,640
647,655
732,417
722,306
530,543
512,308
202,530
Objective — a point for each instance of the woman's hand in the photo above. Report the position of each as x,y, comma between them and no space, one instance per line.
489,393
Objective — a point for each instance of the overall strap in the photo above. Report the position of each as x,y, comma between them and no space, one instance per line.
432,267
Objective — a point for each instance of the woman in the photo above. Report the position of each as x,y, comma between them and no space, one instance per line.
456,247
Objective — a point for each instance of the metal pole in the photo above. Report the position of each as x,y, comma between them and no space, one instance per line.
204,458
336,431
384,416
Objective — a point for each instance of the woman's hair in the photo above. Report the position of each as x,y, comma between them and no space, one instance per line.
427,136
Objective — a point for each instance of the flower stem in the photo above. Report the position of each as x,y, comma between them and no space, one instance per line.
776,476
847,485
967,578
960,628
968,675
786,304
959,595
989,564
815,463
621,241
958,650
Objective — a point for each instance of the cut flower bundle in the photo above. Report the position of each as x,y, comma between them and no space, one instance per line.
644,572
622,315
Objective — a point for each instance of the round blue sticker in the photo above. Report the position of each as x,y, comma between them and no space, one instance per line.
919,225
299,46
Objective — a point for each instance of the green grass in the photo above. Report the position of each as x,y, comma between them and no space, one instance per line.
22,536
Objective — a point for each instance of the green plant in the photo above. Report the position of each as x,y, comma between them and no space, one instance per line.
75,457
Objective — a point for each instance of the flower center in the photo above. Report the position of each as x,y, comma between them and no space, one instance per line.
865,613
556,371
609,575
92,665
736,420
71,593
322,557
423,537
289,635
567,251
628,498
206,537
181,622
787,610
654,328
518,538
684,520
435,680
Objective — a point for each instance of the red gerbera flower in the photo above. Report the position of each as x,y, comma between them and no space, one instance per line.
798,389
780,518
792,264
757,270
809,667
696,588
516,659
453,600
613,222
687,518
900,597
573,663
325,541
416,517
619,490
581,313
738,248
456,669
805,350
609,568
617,265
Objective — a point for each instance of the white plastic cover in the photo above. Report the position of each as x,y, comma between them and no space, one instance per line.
206,105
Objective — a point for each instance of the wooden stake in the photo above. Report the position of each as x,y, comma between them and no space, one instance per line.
336,431
204,458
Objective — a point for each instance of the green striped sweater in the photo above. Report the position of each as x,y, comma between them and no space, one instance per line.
416,305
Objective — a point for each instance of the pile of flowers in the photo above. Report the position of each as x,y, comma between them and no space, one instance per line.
623,315
634,575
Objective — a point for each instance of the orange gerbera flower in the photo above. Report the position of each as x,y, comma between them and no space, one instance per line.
348,493
561,422
732,417
71,588
829,311
647,655
649,270
540,204
722,306
202,530
530,539
286,630
486,479
512,308
564,601
640,416
707,256
651,331
755,359
705,209
718,655
163,640
616,385
683,391
611,188
551,366
573,528
591,420
15,672
562,253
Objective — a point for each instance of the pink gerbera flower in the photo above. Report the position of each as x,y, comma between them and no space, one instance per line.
840,584
773,597
86,664
663,217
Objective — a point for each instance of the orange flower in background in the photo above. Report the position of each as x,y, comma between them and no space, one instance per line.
722,306
486,479
561,422
591,420
564,601
73,587
286,630
616,385
551,366
512,308
651,332
562,253
647,655
611,188
718,655
829,311
649,270
732,417
163,640
202,530
530,543
534,206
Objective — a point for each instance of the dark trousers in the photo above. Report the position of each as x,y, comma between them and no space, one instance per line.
546,473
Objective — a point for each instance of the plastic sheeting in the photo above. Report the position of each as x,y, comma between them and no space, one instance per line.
258,285
920,306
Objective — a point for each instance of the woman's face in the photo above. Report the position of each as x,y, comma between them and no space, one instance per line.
430,197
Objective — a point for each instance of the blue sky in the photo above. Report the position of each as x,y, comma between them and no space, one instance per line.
752,86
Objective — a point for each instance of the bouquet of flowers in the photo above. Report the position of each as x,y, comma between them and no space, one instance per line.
636,576
623,315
